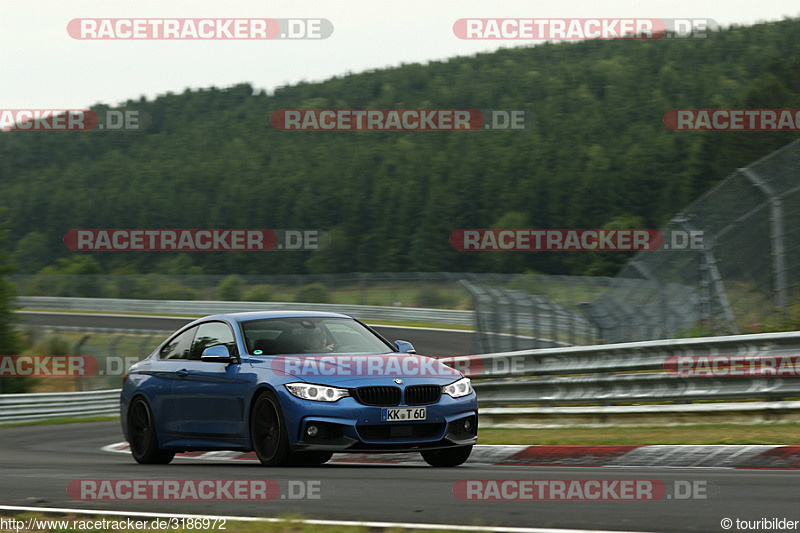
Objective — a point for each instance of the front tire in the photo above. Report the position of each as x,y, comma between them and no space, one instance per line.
143,438
268,431
309,458
447,458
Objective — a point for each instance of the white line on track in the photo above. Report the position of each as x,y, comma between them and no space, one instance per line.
341,523
102,314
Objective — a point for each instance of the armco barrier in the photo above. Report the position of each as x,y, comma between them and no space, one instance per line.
583,378
47,406
370,313
630,373
20,408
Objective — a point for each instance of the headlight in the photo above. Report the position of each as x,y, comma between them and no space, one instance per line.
457,389
318,393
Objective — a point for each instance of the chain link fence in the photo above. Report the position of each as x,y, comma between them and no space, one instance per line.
736,275
104,359
742,274
533,311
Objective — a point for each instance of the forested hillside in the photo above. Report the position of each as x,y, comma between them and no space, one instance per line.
599,155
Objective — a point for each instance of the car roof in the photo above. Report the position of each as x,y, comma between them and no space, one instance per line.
261,315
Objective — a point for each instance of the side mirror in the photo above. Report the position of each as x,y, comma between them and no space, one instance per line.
216,354
404,347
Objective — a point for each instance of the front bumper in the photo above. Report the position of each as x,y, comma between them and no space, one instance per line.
348,426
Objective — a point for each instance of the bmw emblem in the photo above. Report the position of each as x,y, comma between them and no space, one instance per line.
398,381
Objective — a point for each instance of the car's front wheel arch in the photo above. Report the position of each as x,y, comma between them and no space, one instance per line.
268,434
259,390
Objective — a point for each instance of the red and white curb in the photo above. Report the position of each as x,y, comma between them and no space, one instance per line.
682,456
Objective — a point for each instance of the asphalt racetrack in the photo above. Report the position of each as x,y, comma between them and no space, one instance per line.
38,463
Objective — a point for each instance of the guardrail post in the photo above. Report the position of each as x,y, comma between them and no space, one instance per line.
512,311
143,346
77,351
362,289
571,323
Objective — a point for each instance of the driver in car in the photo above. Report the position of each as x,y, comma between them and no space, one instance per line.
317,342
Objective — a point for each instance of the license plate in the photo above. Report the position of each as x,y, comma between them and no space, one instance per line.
403,414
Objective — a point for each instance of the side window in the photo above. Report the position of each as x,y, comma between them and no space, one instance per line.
178,347
211,334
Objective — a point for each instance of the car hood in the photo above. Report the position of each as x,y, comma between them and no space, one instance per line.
339,369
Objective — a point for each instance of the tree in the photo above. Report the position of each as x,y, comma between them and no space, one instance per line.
599,149
32,253
231,289
9,336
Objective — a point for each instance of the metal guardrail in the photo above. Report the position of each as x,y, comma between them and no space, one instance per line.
100,331
633,388
191,307
517,320
48,406
641,415
556,379
629,372
21,408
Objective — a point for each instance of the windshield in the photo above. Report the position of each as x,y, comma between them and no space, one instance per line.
275,336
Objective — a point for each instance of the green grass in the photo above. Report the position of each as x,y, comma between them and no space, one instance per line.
411,324
690,434
405,293
283,524
788,433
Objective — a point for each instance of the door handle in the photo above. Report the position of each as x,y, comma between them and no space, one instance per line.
182,372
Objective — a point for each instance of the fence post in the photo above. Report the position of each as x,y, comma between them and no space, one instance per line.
776,237
710,279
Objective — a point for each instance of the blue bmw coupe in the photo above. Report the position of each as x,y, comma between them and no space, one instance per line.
295,387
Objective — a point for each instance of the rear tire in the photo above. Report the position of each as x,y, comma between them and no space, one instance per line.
143,437
268,431
447,458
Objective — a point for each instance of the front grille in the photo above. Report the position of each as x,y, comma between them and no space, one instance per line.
379,396
400,431
422,394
